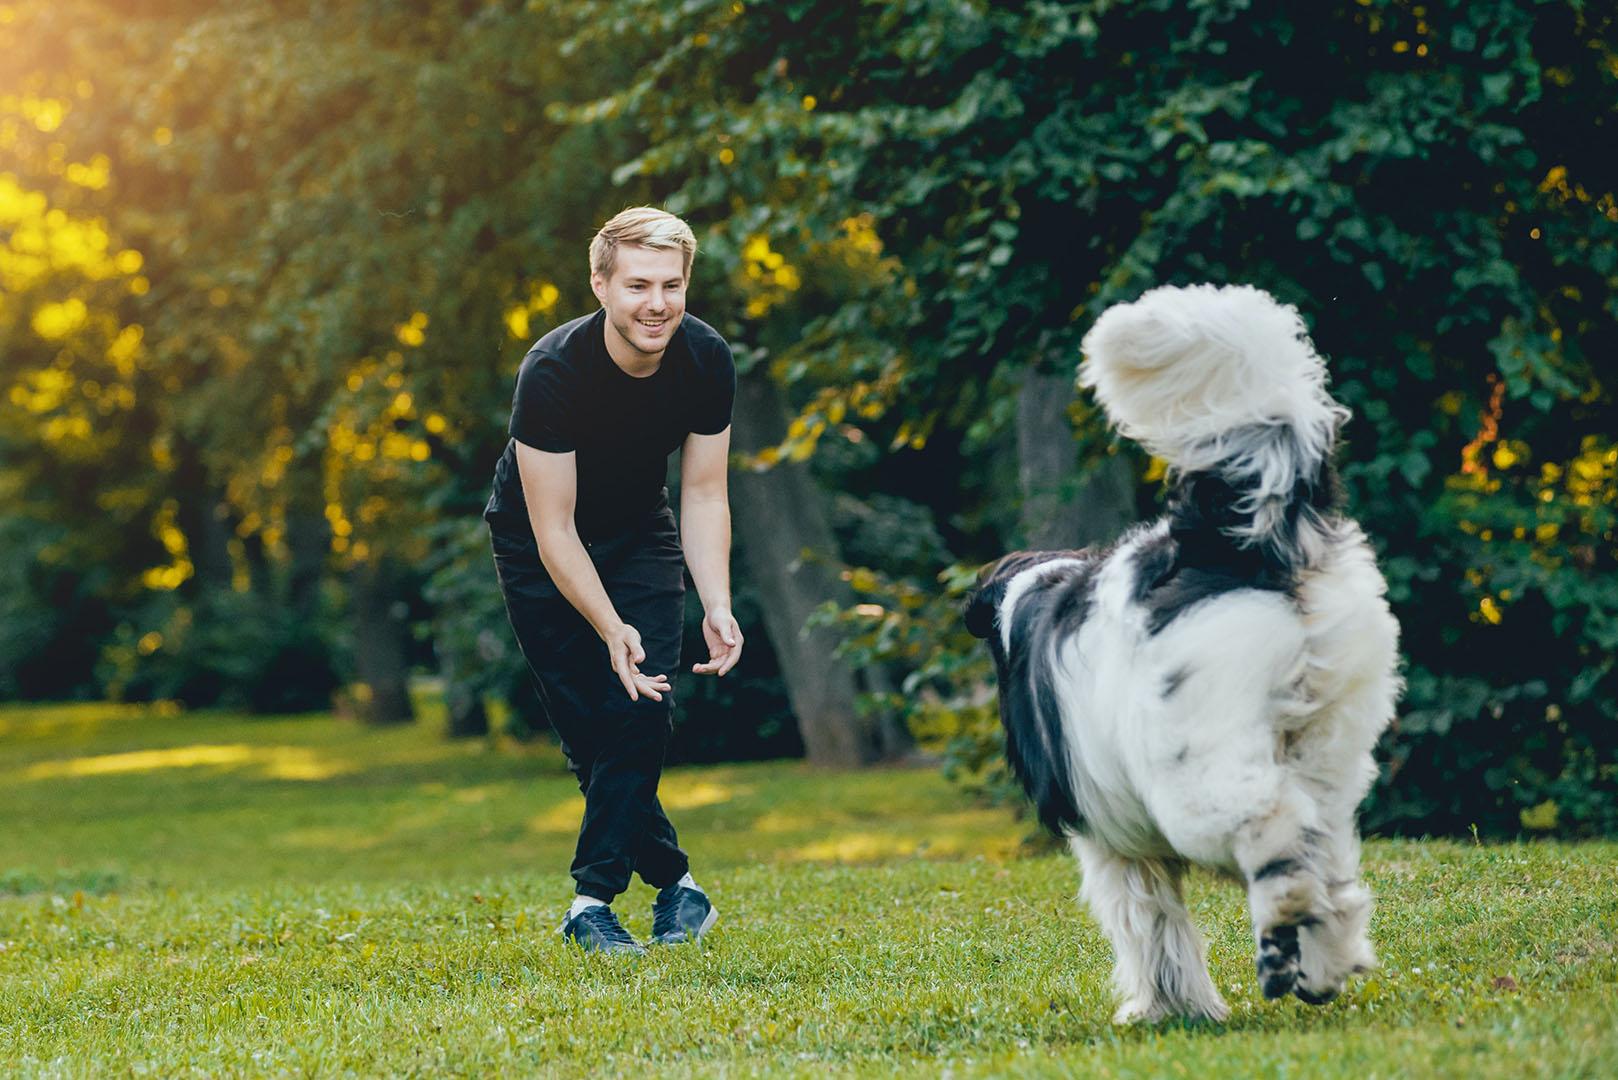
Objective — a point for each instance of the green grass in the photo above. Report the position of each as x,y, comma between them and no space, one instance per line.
212,895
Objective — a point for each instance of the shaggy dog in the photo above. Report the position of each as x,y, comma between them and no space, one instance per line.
1209,689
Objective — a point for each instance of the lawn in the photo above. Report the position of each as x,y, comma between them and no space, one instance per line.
204,895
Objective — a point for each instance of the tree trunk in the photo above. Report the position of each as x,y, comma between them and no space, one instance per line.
1063,505
200,513
382,692
308,539
779,521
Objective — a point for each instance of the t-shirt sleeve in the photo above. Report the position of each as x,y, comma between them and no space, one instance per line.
542,412
713,411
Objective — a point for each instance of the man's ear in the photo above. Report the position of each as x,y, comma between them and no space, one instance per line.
598,285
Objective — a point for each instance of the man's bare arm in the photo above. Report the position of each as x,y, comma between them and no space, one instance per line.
705,536
550,488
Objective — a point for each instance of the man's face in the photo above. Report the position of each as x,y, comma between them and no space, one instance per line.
644,300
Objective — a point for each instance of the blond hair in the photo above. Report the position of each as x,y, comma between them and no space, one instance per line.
640,226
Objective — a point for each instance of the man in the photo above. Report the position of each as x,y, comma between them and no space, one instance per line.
590,562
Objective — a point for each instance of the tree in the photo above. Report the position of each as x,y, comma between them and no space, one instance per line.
1423,182
330,322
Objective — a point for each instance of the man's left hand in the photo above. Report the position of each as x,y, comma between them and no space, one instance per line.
724,639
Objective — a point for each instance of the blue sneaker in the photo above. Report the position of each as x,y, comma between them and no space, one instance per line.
681,914
597,929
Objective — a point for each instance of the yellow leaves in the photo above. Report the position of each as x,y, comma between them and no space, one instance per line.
861,579
44,241
758,251
412,333
20,206
374,440
163,136
66,429
173,539
42,391
1509,453
95,175
542,299
1489,610
395,445
161,455
53,322
149,643
124,348
809,103
909,435
172,576
1488,429
1542,817
46,114
727,156
769,277
859,233
517,323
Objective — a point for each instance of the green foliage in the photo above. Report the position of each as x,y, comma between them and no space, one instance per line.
339,228
268,270
223,649
1427,184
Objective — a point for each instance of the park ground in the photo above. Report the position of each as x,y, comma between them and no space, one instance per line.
214,895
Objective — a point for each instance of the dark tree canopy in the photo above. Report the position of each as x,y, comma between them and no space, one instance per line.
267,270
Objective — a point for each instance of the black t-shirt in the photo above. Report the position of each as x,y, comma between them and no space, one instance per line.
571,397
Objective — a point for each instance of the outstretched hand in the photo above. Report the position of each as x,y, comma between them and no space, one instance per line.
724,639
624,649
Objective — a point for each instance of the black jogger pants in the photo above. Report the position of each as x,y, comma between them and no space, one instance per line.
614,746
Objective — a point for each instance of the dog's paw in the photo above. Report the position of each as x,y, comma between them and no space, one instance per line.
1324,996
1157,1010
1278,961
1134,1011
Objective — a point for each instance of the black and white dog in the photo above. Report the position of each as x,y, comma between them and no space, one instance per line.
1209,689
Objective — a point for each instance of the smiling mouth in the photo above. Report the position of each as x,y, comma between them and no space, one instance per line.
658,325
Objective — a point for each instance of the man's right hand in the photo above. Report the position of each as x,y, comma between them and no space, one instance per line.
624,649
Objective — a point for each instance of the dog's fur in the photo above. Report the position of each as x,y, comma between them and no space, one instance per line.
1209,689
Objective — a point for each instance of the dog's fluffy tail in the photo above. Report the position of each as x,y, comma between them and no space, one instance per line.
1222,383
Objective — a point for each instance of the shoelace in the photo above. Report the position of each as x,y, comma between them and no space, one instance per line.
601,919
666,916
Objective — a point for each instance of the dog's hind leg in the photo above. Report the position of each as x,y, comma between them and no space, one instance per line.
1160,968
1282,855
1338,945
